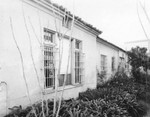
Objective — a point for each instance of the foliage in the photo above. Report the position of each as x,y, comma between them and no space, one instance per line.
116,98
121,90
139,59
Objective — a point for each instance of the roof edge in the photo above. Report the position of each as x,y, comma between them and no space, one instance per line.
77,19
99,38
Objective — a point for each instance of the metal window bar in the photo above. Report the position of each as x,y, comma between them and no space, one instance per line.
79,67
103,65
48,36
49,68
49,52
82,70
113,63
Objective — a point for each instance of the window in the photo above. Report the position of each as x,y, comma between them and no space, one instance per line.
62,78
113,64
65,48
49,67
66,22
78,62
103,65
78,45
121,64
121,61
48,36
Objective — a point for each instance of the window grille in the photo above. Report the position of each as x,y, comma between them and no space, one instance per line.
121,64
103,65
48,36
79,62
49,66
113,63
78,44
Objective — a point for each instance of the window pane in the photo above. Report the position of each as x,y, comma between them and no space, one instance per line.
103,65
49,69
62,78
113,63
78,69
49,75
78,61
48,36
77,44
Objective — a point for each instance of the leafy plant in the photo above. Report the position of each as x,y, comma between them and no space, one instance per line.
118,97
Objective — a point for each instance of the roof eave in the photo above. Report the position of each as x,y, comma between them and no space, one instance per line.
78,20
98,38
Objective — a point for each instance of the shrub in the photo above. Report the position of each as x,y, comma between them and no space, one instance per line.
116,98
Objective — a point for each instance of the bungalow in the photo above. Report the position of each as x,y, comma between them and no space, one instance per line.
41,44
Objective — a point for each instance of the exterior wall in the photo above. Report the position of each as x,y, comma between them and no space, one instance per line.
10,62
109,52
121,59
123,64
89,48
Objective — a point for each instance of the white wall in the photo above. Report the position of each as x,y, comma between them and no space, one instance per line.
109,52
89,48
10,61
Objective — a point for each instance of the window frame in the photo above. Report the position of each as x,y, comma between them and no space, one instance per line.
113,64
51,57
103,65
80,62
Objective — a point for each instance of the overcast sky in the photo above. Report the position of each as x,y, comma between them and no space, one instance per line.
117,19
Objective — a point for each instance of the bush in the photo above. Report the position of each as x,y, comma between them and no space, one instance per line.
116,98
122,91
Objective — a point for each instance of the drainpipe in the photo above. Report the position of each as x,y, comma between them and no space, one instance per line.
4,83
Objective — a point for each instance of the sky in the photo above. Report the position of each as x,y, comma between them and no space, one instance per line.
117,19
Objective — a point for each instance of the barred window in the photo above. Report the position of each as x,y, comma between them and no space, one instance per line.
48,36
49,67
103,64
78,62
113,64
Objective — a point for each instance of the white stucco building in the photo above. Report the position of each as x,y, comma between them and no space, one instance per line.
34,35
110,59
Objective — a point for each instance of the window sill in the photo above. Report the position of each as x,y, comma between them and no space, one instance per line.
50,90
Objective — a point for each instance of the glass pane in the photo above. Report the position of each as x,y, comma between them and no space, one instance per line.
48,36
62,78
49,70
103,62
77,44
